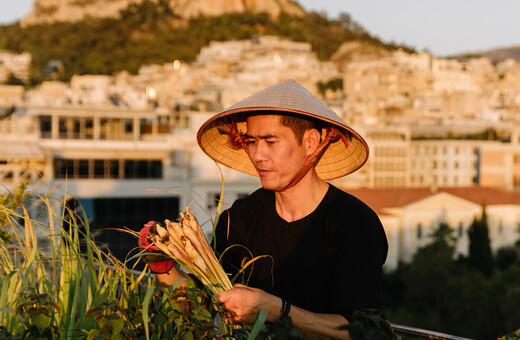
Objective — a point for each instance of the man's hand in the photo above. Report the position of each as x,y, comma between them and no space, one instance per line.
242,304
158,261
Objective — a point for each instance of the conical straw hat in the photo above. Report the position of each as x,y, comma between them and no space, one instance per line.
287,96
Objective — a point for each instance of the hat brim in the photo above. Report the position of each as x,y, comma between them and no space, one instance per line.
288,96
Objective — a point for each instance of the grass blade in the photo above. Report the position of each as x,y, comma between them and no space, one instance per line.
257,326
146,303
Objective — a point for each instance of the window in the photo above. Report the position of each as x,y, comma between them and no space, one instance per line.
419,230
89,128
156,169
76,128
46,126
83,168
63,168
460,230
130,169
103,129
129,125
99,168
143,169
111,168
146,126
62,127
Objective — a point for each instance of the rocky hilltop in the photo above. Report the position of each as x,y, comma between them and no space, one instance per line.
496,55
48,11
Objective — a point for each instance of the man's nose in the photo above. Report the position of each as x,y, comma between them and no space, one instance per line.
258,152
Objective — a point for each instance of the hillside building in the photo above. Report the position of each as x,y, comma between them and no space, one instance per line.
14,64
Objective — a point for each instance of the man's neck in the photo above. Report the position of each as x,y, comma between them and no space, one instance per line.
301,199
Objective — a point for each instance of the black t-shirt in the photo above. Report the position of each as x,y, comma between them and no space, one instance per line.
327,262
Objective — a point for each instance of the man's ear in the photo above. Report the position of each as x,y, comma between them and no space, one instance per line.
311,139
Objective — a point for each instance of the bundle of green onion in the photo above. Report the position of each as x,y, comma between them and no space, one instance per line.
185,242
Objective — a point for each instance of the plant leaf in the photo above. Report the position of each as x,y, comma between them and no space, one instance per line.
146,303
257,325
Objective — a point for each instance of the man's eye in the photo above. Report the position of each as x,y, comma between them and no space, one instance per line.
250,141
270,141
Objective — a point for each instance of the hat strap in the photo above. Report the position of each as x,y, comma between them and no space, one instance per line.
332,135
236,139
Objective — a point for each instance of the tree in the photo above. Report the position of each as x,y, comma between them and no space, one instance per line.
480,256
426,291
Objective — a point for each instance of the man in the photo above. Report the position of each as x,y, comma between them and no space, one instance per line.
318,251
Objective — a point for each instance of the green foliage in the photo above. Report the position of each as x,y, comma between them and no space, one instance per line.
332,84
370,324
62,285
511,336
480,256
150,33
36,311
424,280
10,202
110,319
439,293
190,311
506,257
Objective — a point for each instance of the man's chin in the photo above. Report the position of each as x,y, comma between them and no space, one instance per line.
268,185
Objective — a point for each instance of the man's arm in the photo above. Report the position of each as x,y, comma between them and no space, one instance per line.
242,304
168,278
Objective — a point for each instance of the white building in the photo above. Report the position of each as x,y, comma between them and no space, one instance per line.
409,216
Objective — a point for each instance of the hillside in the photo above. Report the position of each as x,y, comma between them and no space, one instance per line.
151,32
50,11
495,55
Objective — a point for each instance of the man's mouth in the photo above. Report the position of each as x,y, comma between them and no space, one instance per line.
263,172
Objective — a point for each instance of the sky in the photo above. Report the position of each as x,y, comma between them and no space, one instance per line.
442,27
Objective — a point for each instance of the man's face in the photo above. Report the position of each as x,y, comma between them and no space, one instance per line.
274,151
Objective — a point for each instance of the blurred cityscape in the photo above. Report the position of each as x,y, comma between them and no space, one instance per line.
444,136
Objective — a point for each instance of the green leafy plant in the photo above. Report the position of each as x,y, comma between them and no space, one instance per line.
36,312
61,284
370,324
190,311
11,201
110,319
511,336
